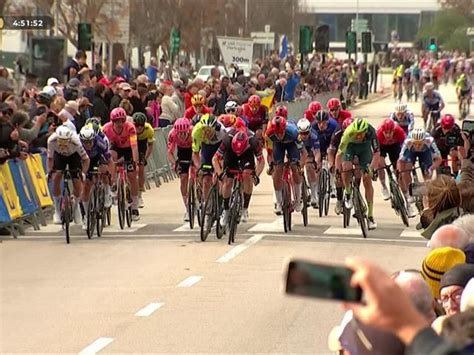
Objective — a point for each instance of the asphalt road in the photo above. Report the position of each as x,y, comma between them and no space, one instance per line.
156,289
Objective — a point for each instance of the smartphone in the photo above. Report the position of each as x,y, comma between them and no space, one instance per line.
468,125
321,281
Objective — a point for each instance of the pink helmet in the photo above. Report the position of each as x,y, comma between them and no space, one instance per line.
182,125
118,113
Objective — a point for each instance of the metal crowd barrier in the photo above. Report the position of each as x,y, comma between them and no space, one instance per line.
296,109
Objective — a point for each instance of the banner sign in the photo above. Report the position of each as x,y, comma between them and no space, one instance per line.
21,180
236,51
8,192
38,177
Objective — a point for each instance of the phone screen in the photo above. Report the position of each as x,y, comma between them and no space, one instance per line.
468,126
321,281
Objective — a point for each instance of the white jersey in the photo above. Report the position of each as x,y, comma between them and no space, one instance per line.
74,146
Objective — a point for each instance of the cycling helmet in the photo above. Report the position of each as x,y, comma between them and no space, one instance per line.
303,125
447,121
94,122
322,116
281,111
360,125
230,107
401,107
182,125
428,86
64,133
418,134
87,134
240,142
227,120
118,113
198,100
347,122
43,98
139,118
388,125
279,124
254,101
333,104
314,107
209,120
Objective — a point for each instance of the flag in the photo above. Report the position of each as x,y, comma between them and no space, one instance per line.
267,101
284,47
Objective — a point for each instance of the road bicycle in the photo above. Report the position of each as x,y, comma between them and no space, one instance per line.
193,206
324,188
358,202
97,213
433,117
287,196
396,196
305,198
211,211
124,207
464,111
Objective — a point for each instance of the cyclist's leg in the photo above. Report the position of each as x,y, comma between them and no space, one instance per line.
74,163
313,177
184,154
59,164
426,164
278,158
365,157
231,162
207,152
142,148
347,165
339,184
454,154
86,190
405,165
384,151
247,164
294,158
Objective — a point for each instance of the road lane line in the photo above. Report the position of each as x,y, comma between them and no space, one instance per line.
96,346
149,309
344,231
275,226
240,248
184,228
352,239
410,233
191,280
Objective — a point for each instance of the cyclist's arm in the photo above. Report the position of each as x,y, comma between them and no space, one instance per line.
51,149
171,146
82,153
217,159
345,140
134,145
197,138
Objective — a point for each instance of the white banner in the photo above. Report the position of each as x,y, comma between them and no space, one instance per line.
236,51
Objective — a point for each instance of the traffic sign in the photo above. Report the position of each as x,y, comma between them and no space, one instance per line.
263,37
360,25
306,39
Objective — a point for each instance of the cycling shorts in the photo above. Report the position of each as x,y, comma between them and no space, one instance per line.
233,162
466,93
279,150
184,159
95,162
72,162
393,152
362,151
425,158
142,148
207,152
126,154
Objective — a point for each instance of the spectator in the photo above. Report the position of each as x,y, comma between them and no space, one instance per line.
215,73
261,82
452,285
123,92
449,236
458,329
100,108
374,73
20,120
66,115
153,107
10,144
152,70
73,89
77,66
84,113
225,83
127,106
291,83
192,90
363,81
216,100
169,110
178,97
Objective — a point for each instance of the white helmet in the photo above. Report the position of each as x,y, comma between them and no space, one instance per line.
418,134
303,125
428,86
401,107
87,133
64,132
49,90
231,106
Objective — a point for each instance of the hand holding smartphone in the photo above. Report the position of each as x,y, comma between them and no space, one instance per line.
321,281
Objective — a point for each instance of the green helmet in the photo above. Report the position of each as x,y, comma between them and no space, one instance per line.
94,122
209,120
360,125
139,118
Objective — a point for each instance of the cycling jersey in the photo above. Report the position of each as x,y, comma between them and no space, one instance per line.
433,102
311,142
191,112
324,137
348,137
176,140
398,136
72,147
125,139
255,119
199,137
429,144
288,145
447,141
341,117
406,123
336,139
425,154
226,144
463,84
100,149
291,134
148,134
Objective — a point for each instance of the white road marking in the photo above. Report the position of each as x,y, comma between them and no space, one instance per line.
56,228
115,228
327,237
185,228
149,309
239,248
190,281
410,233
344,231
96,346
275,226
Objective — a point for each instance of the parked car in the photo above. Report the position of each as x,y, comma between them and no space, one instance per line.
205,71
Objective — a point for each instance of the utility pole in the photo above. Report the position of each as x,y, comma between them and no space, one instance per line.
246,17
357,31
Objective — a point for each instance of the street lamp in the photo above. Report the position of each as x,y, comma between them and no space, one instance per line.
226,7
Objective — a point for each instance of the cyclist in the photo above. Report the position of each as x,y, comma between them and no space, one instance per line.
65,151
180,139
256,114
284,136
238,149
391,137
230,120
197,108
313,108
206,136
146,138
404,117
360,139
431,101
464,89
336,164
98,152
419,144
232,108
335,111
122,136
448,138
309,139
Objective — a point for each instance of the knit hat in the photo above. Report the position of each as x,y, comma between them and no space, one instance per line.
438,262
469,251
457,276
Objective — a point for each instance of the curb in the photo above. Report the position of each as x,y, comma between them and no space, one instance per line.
372,100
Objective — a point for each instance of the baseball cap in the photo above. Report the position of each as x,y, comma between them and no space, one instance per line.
125,86
437,263
74,83
84,101
51,81
73,105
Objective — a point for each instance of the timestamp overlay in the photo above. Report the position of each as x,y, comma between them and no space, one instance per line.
26,22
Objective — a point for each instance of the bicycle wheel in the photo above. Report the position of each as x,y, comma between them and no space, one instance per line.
220,230
100,210
191,204
208,216
346,216
66,213
304,197
121,204
91,213
235,208
399,202
128,206
286,202
359,212
199,204
323,188
328,194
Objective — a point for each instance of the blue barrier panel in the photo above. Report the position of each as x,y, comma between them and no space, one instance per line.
23,187
4,215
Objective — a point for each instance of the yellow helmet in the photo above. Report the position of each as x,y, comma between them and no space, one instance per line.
198,100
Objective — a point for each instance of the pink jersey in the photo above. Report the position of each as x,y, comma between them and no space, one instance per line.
125,139
174,140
